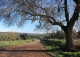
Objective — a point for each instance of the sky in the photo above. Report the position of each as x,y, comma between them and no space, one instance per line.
27,28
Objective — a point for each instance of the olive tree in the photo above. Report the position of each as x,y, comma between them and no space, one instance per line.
63,13
60,34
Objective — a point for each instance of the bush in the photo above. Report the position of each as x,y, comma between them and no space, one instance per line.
9,36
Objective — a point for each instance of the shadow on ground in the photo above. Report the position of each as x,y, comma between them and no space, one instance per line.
26,50
56,48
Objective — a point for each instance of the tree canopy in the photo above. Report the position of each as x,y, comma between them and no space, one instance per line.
64,13
47,12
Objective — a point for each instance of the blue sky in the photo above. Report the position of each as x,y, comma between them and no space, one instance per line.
27,28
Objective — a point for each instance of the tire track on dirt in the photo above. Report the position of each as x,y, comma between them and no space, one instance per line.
36,46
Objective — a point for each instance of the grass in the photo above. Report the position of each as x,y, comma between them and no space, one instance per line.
9,43
55,45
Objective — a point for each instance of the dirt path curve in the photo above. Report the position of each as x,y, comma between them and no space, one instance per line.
26,50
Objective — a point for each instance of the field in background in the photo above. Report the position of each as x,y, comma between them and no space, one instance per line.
9,43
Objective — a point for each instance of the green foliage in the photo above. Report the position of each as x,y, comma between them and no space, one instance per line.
12,36
8,43
60,34
9,36
55,45
26,36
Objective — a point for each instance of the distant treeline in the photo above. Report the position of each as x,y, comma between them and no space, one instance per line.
7,36
11,36
61,35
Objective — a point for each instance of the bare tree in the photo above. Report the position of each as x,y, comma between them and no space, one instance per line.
48,13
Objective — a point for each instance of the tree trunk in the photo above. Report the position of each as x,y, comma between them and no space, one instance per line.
69,45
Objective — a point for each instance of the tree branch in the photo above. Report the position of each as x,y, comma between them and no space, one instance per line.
75,15
52,21
66,11
56,23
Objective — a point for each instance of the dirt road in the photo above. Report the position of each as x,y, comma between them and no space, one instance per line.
32,49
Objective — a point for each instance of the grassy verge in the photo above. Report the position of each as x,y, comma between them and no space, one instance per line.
9,43
57,52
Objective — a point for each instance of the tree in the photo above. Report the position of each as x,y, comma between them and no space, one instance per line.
60,34
9,36
46,12
52,34
75,34
25,36
78,34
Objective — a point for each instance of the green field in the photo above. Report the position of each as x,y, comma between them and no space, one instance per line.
9,43
55,44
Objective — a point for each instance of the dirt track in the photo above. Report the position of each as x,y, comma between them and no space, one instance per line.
24,50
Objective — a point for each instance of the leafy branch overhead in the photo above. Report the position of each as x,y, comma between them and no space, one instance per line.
46,11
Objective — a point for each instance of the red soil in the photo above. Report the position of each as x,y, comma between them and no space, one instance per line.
24,53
